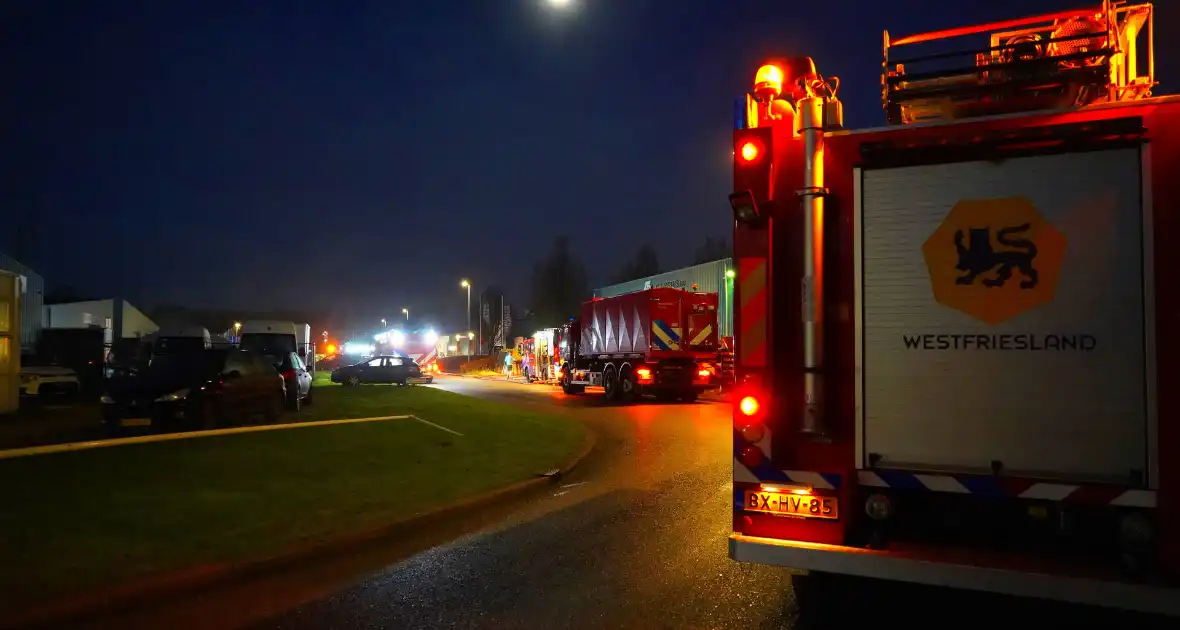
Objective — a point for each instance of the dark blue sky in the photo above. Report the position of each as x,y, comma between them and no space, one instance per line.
368,154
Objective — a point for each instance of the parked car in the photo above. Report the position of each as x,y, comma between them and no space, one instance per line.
296,377
380,369
197,390
48,381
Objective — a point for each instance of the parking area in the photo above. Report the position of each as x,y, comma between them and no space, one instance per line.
51,422
79,419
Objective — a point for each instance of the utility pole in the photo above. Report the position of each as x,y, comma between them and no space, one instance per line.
466,284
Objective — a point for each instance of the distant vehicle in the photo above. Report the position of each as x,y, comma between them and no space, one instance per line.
274,337
381,369
191,391
657,341
79,349
47,381
269,337
296,377
179,340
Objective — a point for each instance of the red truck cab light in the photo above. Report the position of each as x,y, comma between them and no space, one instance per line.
750,151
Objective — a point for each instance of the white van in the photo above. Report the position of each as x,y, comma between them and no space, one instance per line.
269,337
184,339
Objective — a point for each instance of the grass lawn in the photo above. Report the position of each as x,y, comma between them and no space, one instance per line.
75,520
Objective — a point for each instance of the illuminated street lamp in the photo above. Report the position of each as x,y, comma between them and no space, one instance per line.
383,324
406,312
467,285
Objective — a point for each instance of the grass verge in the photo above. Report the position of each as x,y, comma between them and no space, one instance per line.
100,517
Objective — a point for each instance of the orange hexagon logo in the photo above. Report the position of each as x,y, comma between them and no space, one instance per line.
994,259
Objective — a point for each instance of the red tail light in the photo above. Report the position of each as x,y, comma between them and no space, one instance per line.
643,374
748,419
750,151
751,456
704,373
289,373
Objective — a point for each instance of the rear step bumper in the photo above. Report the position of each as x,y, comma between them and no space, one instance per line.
907,567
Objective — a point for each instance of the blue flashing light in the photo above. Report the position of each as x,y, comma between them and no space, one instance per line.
739,113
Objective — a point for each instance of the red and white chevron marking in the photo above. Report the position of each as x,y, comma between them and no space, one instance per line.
1013,487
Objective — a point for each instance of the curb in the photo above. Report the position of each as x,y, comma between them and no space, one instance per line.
129,595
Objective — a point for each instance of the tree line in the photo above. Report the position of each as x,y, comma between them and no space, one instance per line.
560,281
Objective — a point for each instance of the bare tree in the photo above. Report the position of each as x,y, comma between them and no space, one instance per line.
712,249
645,263
559,285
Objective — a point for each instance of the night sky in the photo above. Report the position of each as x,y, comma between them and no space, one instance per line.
367,155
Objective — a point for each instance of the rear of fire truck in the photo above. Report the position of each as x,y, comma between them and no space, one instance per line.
949,343
657,341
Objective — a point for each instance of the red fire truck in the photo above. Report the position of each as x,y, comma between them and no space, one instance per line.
659,341
953,364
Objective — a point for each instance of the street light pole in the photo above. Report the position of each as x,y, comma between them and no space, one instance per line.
406,312
467,285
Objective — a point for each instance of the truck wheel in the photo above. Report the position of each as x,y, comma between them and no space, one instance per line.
610,383
813,598
627,386
821,598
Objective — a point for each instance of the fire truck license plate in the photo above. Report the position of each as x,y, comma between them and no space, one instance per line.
787,504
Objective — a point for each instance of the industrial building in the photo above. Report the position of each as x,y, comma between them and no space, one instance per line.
31,288
710,277
99,313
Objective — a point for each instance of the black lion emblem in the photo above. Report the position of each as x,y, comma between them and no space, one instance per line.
978,256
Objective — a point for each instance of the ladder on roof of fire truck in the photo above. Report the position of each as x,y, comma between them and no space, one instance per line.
1053,61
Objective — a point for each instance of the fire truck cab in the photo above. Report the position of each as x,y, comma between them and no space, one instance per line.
953,366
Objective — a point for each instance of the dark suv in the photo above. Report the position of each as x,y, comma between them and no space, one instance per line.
204,389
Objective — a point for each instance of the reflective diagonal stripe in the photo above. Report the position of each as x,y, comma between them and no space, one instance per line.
1010,487
751,289
665,337
702,336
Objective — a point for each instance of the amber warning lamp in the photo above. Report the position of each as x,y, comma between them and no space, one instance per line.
768,82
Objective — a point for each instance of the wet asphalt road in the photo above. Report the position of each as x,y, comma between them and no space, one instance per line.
636,537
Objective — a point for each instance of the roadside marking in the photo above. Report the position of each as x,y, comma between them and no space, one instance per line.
437,426
164,437
574,485
557,494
